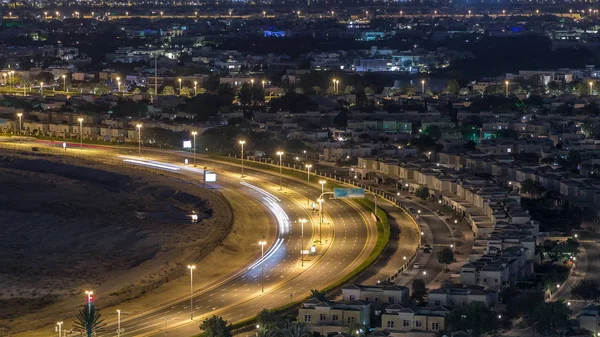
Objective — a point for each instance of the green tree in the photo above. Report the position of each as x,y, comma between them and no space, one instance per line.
452,87
445,256
215,326
409,90
581,89
433,131
88,319
550,319
136,91
532,187
422,192
587,290
388,91
349,89
185,91
45,77
168,90
129,108
267,320
318,294
476,317
369,91
245,94
331,90
418,291
299,91
295,329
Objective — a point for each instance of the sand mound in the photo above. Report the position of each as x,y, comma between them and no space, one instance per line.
66,226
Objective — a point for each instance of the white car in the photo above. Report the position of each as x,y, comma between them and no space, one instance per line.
416,266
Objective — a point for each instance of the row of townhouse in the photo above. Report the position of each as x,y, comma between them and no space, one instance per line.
503,169
481,201
498,268
360,302
91,132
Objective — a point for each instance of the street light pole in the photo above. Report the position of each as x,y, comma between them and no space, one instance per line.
179,86
280,153
302,221
42,88
262,271
308,166
89,294
195,88
20,115
191,268
506,88
322,182
64,77
139,127
80,132
118,323
242,142
59,328
194,133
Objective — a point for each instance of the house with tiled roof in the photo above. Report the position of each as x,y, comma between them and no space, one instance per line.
461,297
327,316
398,320
589,319
376,293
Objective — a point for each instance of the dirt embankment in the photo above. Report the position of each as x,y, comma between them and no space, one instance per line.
67,225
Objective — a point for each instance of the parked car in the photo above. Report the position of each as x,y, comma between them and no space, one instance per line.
416,266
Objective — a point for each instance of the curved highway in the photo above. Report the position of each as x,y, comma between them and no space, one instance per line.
352,238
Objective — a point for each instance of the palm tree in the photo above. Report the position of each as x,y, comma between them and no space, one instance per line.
296,329
88,319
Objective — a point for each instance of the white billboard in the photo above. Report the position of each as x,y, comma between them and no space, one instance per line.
210,177
187,144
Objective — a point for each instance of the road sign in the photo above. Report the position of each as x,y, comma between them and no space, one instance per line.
187,144
348,193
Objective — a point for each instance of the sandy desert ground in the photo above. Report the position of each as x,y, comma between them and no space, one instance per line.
68,225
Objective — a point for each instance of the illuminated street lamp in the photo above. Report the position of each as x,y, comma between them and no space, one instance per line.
118,84
280,153
194,133
118,322
42,88
195,88
262,270
423,88
591,88
191,267
506,83
64,77
263,84
242,142
89,294
179,80
139,128
302,222
80,132
20,115
59,328
308,166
